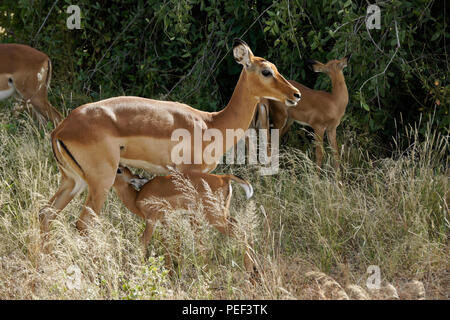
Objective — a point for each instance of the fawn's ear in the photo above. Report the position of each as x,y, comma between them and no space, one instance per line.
315,65
242,53
344,61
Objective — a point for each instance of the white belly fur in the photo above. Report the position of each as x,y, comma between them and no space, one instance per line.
144,165
303,123
5,94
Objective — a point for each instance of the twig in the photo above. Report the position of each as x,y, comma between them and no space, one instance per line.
292,29
358,18
114,42
45,20
390,61
373,41
226,53
445,43
193,67
242,35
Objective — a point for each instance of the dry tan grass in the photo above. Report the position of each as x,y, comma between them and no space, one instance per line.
314,233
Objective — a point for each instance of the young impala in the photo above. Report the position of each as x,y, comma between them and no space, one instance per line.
91,142
27,72
320,110
167,188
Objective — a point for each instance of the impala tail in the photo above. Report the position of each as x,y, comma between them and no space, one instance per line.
49,74
69,165
244,184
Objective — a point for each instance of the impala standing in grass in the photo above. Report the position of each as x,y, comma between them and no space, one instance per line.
318,109
216,207
91,142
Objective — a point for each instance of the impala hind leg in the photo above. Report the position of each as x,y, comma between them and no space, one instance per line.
226,225
172,248
230,230
98,191
150,224
66,192
34,89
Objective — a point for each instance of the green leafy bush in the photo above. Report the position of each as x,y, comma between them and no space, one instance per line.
179,50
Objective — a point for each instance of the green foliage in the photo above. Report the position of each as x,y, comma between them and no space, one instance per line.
179,50
154,276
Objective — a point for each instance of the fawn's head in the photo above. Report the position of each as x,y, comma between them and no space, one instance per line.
125,177
332,66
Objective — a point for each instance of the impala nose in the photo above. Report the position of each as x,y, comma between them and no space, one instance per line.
295,99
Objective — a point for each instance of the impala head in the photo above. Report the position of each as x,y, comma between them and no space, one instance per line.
332,66
125,177
266,81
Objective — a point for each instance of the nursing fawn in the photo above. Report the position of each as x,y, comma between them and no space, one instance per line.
166,189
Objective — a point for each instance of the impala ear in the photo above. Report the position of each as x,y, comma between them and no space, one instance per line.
242,53
344,61
315,65
309,63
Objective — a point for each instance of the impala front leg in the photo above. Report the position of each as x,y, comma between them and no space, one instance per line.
286,127
331,135
318,137
279,115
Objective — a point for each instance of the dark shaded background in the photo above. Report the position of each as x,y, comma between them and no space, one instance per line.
180,50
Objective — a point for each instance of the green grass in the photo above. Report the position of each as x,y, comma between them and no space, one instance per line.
391,212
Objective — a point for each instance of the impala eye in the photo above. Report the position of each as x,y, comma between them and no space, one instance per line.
266,73
119,171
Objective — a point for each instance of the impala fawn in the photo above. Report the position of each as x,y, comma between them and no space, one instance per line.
165,188
318,109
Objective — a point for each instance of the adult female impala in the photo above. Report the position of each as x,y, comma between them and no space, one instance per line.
27,72
167,189
318,109
91,142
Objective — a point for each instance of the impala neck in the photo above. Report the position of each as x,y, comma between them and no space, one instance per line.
339,90
128,195
240,109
